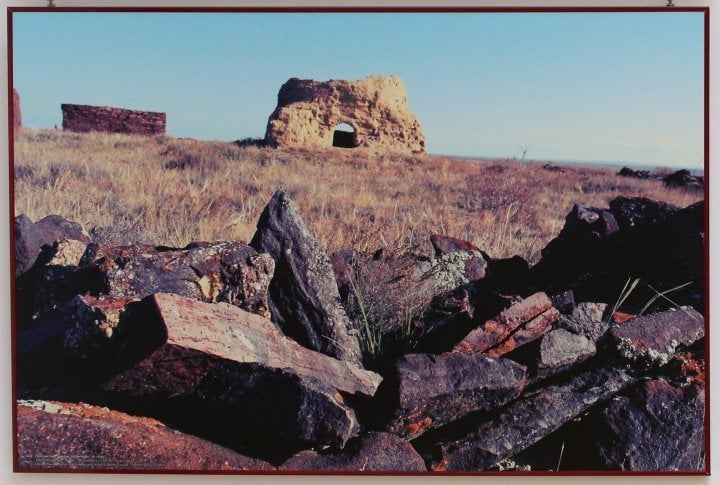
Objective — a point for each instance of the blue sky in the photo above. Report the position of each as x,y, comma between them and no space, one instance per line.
570,86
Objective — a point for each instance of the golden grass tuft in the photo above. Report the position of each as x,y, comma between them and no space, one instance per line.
187,190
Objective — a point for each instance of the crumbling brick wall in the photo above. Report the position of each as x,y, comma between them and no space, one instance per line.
83,118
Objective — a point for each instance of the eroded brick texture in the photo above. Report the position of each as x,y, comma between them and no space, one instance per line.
83,118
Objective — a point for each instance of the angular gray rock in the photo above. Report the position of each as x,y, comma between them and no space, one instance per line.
434,390
526,421
304,297
376,452
229,371
652,340
656,427
587,320
560,350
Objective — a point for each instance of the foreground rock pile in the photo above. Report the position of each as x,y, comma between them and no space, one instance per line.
233,356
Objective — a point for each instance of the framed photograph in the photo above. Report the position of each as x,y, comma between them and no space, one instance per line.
367,240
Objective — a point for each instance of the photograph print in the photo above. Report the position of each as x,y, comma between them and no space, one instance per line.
351,241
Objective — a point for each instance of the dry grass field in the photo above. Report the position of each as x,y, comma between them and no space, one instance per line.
186,190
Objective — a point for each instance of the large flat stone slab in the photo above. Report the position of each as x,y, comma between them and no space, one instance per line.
237,366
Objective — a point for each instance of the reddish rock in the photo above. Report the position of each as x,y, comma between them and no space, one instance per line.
304,297
447,244
434,390
525,421
83,118
17,115
528,332
535,313
651,340
377,452
654,428
224,370
53,436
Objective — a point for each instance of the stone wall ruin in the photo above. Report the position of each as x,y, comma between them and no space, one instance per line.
84,118
376,109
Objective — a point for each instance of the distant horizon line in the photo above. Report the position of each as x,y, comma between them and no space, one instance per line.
597,163
484,158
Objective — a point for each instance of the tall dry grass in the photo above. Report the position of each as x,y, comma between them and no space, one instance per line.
186,190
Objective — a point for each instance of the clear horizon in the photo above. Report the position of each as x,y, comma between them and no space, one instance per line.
567,86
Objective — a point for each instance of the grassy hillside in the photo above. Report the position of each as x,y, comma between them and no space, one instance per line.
187,190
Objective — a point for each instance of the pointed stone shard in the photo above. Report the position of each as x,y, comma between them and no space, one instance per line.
304,297
233,372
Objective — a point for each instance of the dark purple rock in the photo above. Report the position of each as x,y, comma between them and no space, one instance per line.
379,452
640,211
593,255
304,297
31,237
652,340
653,428
683,178
434,390
526,421
564,302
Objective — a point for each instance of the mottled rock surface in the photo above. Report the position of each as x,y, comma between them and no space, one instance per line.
375,107
434,390
559,350
304,297
586,319
31,237
375,451
228,272
54,435
526,421
651,340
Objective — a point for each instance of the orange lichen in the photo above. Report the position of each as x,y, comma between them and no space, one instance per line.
620,317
